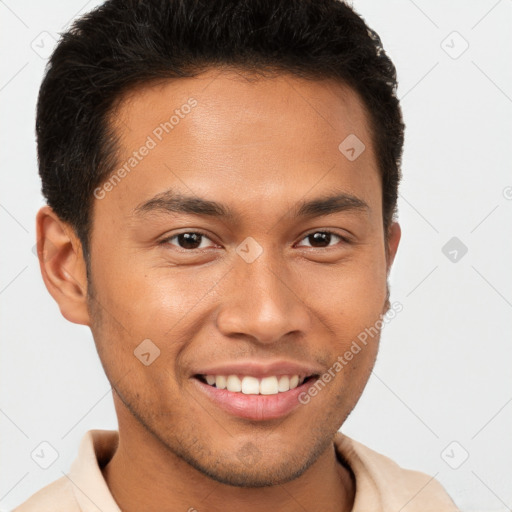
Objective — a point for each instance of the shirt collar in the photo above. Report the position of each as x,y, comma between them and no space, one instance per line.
89,486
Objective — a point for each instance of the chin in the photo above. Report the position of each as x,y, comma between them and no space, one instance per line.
255,463
251,476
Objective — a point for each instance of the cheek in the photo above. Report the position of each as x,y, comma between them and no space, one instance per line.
156,311
348,302
153,300
350,296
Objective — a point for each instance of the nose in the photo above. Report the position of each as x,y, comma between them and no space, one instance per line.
263,301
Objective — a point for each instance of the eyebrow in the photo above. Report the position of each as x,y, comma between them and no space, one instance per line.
174,202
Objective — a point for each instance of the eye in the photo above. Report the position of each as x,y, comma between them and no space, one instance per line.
320,239
189,240
192,240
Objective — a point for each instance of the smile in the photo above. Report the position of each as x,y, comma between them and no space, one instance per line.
248,397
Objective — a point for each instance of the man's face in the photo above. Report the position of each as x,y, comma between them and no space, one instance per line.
255,287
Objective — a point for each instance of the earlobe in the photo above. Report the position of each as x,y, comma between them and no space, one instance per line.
62,265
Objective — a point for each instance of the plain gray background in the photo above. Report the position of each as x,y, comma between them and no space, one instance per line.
440,397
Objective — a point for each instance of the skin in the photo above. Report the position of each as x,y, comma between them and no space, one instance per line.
258,147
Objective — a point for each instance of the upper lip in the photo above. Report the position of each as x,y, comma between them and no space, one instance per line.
260,369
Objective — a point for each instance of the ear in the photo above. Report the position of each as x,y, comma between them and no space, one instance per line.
62,265
394,235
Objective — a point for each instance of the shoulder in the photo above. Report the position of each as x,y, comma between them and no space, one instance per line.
380,480
83,487
55,497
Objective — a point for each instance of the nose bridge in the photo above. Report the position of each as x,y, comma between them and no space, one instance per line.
261,301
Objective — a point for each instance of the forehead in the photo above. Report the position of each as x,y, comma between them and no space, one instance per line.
240,138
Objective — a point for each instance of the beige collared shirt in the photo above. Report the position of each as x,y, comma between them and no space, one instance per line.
381,485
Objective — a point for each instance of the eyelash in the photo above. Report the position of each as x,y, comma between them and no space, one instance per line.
345,240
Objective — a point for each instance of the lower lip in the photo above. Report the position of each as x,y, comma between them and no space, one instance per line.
255,407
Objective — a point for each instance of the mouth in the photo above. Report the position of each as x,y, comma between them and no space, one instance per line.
249,397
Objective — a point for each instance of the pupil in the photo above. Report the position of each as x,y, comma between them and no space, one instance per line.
319,237
189,240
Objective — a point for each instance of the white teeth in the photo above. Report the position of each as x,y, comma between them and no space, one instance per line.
284,383
249,385
233,383
220,381
268,386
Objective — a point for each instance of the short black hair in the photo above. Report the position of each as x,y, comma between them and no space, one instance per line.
123,44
